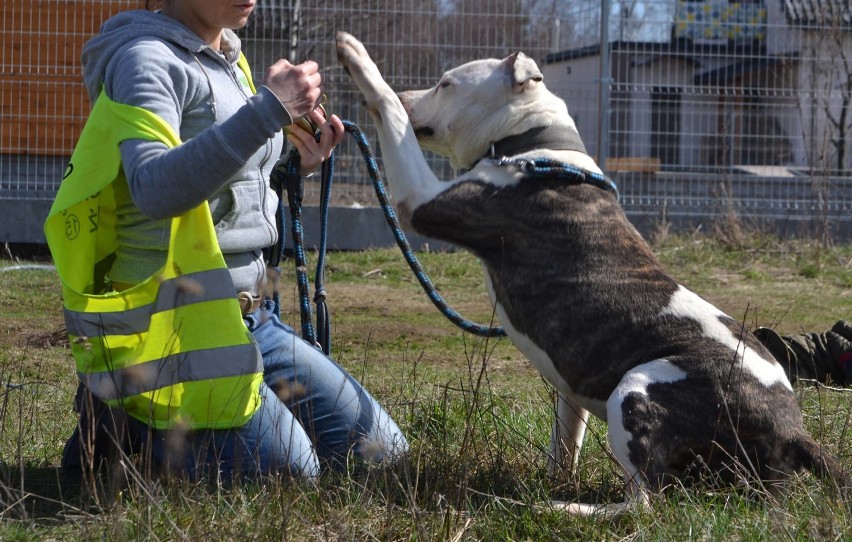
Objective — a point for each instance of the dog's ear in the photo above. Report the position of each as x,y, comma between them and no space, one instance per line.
522,70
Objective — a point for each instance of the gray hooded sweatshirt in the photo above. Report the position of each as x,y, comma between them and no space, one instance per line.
231,141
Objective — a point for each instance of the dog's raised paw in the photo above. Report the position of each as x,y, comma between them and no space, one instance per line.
365,74
349,49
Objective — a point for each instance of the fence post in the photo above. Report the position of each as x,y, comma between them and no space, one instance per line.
605,81
295,30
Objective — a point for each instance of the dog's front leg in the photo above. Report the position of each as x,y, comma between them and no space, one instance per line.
566,439
410,178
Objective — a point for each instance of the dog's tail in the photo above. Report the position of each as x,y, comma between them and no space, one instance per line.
805,453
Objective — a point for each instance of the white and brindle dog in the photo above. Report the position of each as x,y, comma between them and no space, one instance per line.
681,385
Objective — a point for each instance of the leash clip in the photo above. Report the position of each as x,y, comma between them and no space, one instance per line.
307,124
524,165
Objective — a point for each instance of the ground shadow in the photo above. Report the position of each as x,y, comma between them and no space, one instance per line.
41,494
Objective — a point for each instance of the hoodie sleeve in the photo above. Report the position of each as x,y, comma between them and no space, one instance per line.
167,182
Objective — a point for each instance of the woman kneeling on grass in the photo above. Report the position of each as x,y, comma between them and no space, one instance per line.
157,233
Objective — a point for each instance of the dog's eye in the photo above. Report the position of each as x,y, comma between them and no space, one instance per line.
442,84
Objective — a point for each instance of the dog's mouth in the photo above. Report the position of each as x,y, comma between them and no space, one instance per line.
424,132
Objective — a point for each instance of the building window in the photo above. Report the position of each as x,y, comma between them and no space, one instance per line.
665,125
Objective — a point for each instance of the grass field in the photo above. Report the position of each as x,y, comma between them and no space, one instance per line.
477,416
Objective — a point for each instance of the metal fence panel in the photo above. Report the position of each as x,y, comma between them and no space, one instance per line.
708,104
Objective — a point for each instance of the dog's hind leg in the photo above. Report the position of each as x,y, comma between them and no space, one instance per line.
566,439
638,496
634,435
637,491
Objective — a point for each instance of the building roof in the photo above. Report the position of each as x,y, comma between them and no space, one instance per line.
680,47
725,74
822,13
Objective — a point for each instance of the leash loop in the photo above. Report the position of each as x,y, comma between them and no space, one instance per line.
286,173
405,247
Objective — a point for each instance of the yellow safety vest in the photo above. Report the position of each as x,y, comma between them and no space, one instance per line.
173,350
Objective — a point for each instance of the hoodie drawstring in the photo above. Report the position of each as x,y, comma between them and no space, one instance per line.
212,102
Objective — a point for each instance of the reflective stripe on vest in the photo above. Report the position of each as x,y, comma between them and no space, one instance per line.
117,329
171,294
174,349
112,386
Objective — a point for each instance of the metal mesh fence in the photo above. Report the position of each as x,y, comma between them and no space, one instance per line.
701,107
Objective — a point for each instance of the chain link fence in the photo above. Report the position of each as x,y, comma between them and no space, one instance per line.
704,109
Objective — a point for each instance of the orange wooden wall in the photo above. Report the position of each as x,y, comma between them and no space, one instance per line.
43,103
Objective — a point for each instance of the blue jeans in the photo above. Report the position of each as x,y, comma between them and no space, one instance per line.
313,414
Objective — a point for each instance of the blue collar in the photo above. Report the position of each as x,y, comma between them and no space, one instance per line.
552,169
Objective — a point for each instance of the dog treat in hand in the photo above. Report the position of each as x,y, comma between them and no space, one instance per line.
307,124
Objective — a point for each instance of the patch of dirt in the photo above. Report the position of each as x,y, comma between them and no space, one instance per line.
379,320
42,338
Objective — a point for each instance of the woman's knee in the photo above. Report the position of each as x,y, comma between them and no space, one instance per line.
271,442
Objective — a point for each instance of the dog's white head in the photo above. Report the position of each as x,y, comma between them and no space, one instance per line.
482,102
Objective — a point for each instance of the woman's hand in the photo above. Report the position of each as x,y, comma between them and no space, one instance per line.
298,87
311,151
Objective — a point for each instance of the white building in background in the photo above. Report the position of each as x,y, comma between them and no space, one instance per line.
758,86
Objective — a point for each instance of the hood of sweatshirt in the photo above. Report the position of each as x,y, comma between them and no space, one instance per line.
128,26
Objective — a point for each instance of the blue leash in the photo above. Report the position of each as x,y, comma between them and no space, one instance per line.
287,174
405,247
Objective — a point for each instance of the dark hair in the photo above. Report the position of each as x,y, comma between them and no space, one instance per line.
153,4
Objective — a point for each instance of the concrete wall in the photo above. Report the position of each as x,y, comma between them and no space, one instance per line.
21,221
684,209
